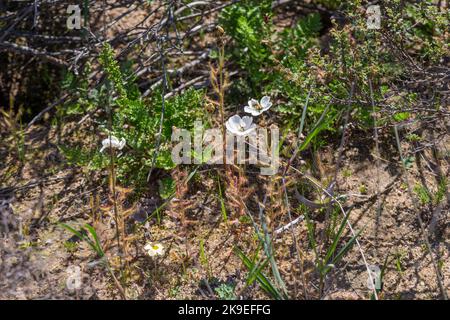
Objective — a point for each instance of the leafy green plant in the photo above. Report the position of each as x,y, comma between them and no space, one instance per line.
414,137
422,193
297,40
204,258
408,162
225,292
166,188
248,23
93,241
256,274
78,86
401,116
441,192
398,258
276,61
88,234
70,246
362,188
76,155
223,209
327,261
137,120
292,65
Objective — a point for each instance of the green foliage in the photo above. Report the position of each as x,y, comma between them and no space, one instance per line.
75,155
332,256
256,274
297,40
401,116
93,241
136,120
291,65
425,197
204,258
223,209
408,162
420,27
225,292
275,61
112,69
248,23
442,190
78,86
422,193
71,247
414,137
166,188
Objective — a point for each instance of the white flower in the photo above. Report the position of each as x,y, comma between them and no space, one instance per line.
155,249
113,143
255,108
240,127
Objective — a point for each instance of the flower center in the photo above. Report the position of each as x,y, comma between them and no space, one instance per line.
258,106
155,247
241,126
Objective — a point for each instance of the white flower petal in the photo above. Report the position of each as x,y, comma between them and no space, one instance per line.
232,124
252,103
252,111
265,101
240,126
230,127
154,249
248,109
113,142
247,131
247,121
235,121
151,253
267,107
255,108
255,112
122,143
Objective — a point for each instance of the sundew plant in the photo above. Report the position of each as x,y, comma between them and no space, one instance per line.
224,150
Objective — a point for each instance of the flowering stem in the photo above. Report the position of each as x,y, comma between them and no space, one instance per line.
113,185
222,96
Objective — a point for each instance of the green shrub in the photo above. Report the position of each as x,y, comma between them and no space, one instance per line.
137,120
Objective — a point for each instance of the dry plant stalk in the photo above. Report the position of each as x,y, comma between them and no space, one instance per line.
177,208
120,213
237,191
220,82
